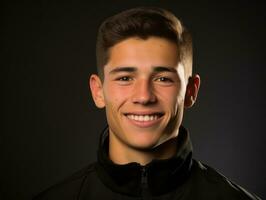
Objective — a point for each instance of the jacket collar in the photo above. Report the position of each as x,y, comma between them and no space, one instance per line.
156,178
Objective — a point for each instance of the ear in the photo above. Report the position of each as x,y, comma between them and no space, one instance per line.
96,88
192,90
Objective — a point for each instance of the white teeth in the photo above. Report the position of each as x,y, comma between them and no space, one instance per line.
146,118
143,118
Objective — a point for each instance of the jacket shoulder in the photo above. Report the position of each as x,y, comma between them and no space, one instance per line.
68,188
214,184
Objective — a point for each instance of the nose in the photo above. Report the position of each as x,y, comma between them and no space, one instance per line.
143,93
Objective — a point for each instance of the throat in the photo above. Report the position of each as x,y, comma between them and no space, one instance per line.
122,154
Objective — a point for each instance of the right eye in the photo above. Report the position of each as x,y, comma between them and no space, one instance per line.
124,78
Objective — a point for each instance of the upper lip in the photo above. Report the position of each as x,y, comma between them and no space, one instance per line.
144,113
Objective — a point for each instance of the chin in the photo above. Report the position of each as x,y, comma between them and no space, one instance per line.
144,144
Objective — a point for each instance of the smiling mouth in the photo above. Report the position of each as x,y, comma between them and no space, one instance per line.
145,117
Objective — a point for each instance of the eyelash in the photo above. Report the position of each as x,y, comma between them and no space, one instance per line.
160,79
165,79
124,78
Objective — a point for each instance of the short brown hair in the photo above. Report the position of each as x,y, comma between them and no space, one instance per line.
143,22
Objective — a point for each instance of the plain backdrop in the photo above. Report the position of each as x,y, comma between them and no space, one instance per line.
50,126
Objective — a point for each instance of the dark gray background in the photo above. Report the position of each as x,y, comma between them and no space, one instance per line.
51,126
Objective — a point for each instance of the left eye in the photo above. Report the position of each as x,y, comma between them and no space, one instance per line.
163,79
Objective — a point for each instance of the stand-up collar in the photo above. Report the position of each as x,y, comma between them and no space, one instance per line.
162,176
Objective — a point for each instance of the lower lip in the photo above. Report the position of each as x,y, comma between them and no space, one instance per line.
144,124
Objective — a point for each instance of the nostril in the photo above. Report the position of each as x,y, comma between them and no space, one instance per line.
143,93
145,99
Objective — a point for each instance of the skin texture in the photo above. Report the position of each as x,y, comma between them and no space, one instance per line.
143,78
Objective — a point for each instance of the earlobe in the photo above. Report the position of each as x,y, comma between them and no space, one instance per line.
96,88
192,91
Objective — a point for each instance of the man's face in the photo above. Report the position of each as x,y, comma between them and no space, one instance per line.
143,92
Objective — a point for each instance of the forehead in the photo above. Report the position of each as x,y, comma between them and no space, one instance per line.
154,51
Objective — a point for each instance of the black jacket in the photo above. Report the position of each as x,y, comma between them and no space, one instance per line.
179,177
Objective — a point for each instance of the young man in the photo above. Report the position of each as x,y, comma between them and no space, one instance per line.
145,82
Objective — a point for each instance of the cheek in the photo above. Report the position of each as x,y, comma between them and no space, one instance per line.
115,96
171,98
174,103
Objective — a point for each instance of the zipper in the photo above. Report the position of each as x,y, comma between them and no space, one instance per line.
144,183
144,178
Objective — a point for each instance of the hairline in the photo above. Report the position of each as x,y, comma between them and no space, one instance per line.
102,75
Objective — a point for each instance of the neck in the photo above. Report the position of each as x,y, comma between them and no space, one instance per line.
120,153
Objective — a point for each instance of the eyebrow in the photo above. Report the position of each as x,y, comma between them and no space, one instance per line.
134,69
123,69
164,69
